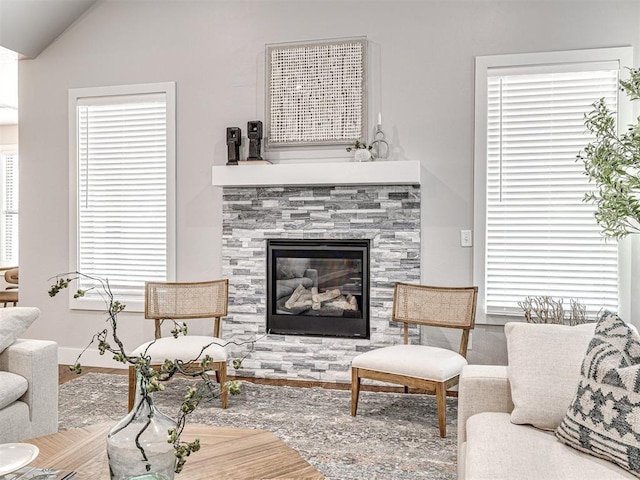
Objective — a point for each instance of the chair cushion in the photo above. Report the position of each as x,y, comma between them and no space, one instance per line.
420,361
185,348
14,321
544,370
12,387
603,419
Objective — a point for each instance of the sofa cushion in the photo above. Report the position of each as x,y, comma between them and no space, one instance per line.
12,387
544,370
604,417
497,449
14,321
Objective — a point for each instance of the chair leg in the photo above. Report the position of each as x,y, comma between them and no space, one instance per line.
355,391
441,401
406,389
132,386
221,376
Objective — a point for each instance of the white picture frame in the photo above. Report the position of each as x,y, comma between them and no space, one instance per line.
316,92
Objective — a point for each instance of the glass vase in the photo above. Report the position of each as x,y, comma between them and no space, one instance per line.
362,155
138,447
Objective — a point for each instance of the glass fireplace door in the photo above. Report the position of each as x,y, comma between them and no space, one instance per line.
318,287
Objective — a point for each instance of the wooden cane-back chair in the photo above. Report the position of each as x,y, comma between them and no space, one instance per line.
10,294
419,366
180,302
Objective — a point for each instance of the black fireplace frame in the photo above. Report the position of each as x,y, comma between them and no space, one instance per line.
309,325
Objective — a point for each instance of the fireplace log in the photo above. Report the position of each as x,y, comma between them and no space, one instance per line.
314,293
354,302
294,296
302,303
342,303
328,295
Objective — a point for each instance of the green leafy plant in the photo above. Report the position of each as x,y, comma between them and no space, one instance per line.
151,378
357,146
612,163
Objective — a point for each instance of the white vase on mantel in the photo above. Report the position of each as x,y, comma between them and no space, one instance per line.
362,155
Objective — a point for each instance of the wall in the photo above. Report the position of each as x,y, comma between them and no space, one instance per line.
422,61
8,138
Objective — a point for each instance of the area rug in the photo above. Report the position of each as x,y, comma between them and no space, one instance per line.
394,436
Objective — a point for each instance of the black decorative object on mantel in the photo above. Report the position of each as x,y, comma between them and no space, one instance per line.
254,129
234,139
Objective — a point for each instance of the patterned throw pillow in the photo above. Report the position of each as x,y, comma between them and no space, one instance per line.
604,417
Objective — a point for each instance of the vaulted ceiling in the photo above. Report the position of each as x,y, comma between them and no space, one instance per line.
29,26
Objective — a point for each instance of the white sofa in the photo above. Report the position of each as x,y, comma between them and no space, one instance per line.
28,390
495,439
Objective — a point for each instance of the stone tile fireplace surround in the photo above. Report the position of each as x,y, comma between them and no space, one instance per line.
388,215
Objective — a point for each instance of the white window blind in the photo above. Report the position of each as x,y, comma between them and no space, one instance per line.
541,238
9,239
122,204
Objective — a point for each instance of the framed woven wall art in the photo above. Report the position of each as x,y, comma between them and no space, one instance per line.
316,92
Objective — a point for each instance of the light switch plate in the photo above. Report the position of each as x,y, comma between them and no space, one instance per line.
466,238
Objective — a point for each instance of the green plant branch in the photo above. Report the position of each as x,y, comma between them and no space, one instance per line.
150,378
359,146
632,86
612,163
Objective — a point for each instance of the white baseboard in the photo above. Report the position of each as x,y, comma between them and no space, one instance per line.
90,358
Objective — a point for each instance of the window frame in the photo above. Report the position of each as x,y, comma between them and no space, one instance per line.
624,57
7,152
76,94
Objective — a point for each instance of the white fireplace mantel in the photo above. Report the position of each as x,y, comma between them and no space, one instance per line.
401,172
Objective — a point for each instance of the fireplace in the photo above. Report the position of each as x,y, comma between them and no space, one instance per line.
387,216
318,287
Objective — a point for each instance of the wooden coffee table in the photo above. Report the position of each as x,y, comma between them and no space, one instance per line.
238,453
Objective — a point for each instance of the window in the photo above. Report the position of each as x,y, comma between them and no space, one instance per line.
122,203
536,235
9,209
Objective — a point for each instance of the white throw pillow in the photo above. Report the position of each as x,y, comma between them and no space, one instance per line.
544,370
14,321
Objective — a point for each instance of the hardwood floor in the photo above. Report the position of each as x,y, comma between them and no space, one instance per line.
65,375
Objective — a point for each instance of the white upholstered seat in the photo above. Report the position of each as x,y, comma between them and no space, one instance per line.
418,361
171,348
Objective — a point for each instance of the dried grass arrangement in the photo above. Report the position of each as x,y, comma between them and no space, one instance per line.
546,309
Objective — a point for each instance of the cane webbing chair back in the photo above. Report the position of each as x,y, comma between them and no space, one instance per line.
10,294
450,307
181,302
427,368
12,276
